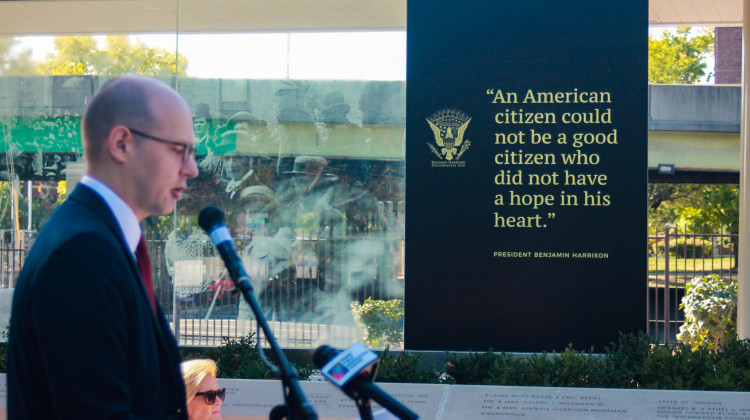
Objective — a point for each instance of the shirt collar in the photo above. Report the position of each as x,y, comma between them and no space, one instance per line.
124,215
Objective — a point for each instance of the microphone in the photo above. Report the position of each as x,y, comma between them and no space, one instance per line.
353,370
211,219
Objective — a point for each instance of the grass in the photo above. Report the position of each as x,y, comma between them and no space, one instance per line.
690,265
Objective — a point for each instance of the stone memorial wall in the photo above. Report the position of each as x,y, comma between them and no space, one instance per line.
254,399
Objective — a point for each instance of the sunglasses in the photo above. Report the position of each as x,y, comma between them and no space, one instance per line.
210,396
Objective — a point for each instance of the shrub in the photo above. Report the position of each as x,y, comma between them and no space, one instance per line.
710,306
732,361
682,247
240,359
475,368
570,368
405,367
535,370
578,369
690,248
624,363
679,368
631,362
380,321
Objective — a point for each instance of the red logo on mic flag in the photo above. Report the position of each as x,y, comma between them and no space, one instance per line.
338,371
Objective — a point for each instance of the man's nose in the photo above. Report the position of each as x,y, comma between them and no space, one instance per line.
190,168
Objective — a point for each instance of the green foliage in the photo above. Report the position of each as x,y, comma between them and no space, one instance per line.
535,370
82,55
710,306
159,227
240,359
693,204
577,369
665,202
569,368
631,362
679,56
714,205
380,321
405,367
4,350
14,62
624,363
690,248
45,200
187,353
668,367
474,368
733,364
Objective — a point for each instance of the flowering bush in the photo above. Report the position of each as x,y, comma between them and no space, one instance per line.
710,306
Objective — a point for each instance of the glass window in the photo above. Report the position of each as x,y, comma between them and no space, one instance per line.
300,140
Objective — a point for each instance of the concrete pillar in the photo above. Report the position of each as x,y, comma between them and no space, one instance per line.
743,278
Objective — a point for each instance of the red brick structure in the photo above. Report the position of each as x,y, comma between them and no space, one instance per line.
728,53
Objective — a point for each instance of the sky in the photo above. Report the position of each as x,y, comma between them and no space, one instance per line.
308,56
311,56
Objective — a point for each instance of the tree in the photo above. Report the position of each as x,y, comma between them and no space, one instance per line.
82,55
699,204
712,206
679,56
15,63
715,205
665,202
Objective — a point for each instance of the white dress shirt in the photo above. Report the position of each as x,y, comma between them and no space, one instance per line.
124,215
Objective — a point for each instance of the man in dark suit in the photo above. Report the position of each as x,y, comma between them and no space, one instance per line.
87,338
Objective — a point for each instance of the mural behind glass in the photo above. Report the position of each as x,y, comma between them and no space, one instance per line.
310,175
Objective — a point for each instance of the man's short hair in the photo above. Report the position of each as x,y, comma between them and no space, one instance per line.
121,101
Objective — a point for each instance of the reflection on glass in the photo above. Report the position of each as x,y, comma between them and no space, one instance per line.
314,198
310,175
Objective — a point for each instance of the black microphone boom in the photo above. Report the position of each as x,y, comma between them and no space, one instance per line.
296,407
211,219
324,354
361,387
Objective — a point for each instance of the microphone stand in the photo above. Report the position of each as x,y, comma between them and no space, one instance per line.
361,399
368,390
295,405
364,407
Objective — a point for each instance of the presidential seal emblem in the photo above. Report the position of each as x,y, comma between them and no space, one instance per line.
449,126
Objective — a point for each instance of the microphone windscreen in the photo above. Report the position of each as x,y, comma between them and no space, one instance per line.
210,217
323,355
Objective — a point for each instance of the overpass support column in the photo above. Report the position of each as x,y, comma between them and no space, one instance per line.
743,298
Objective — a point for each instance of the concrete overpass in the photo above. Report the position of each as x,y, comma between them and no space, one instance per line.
696,129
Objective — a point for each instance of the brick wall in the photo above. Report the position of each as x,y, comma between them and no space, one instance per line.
728,67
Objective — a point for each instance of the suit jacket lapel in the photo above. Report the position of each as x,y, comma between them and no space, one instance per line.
91,199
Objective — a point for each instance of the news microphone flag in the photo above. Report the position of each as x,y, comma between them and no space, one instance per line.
348,364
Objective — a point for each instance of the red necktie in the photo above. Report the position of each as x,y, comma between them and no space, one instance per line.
144,264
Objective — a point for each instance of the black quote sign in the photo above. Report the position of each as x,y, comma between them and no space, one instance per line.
526,174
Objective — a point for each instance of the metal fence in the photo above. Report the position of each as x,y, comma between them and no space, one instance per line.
677,254
11,260
305,290
308,300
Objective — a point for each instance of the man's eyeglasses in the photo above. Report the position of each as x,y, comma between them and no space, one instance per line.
210,396
188,150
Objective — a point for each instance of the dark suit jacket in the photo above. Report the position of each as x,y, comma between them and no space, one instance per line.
84,342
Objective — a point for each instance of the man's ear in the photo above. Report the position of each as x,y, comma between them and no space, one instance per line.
120,143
